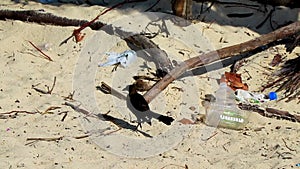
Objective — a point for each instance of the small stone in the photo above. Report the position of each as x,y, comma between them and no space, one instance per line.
193,108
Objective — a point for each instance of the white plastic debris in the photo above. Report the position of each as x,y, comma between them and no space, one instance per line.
124,59
248,97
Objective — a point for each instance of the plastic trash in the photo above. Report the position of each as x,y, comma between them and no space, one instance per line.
125,58
248,97
224,111
272,96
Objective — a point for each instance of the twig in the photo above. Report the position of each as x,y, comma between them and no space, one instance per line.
185,166
105,88
45,139
287,146
34,139
54,81
49,110
83,136
65,115
49,91
221,54
38,49
18,111
14,113
215,133
69,97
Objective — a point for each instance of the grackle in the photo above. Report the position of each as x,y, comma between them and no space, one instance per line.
140,108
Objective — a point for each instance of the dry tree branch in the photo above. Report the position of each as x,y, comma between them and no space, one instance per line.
221,54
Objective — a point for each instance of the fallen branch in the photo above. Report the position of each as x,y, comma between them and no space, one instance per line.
283,114
270,112
45,18
221,54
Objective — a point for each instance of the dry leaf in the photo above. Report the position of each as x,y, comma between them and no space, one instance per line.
186,121
234,81
276,60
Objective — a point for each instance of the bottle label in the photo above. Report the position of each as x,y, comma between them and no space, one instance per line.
229,116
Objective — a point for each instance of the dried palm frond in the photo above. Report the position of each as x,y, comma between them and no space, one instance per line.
287,79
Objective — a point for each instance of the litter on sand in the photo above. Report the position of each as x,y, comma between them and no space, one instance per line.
124,59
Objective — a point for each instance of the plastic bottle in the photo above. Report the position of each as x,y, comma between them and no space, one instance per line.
224,111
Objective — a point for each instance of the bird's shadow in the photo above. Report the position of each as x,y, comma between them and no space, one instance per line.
122,124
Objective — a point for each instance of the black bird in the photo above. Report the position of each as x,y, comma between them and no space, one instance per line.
140,108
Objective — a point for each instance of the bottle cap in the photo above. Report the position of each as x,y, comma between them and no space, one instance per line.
273,96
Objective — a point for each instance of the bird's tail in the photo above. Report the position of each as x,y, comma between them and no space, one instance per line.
165,119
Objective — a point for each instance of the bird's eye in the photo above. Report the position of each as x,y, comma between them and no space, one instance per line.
126,55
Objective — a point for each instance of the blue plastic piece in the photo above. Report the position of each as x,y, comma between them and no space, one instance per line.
273,96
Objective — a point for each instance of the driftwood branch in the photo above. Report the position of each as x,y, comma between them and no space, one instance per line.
270,112
221,54
41,17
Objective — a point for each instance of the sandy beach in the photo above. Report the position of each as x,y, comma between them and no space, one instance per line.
47,133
